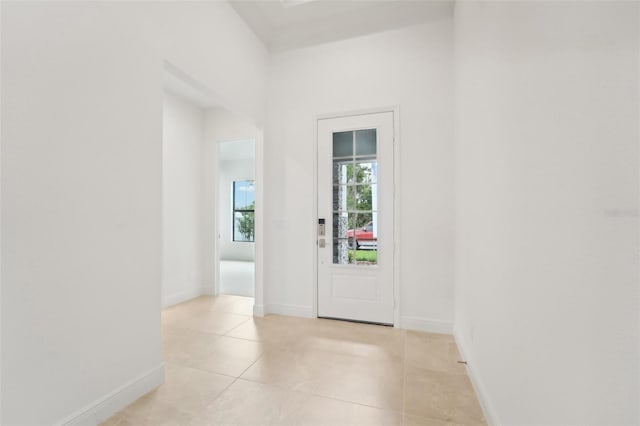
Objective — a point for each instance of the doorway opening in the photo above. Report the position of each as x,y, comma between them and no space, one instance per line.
236,205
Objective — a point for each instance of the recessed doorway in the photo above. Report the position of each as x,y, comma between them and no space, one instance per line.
236,203
210,247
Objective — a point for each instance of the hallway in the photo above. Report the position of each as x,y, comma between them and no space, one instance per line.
237,277
223,366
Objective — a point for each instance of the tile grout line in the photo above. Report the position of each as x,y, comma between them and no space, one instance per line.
235,379
236,326
252,364
200,369
309,393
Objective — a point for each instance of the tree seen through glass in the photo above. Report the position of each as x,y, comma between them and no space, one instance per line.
244,211
359,197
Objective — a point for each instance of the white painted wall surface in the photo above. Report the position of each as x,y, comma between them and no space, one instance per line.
81,187
81,176
230,171
411,68
547,209
182,200
212,44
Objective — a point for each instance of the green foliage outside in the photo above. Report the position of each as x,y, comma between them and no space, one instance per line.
244,215
246,223
246,226
369,256
359,197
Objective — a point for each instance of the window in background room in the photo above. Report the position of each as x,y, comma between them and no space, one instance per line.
243,210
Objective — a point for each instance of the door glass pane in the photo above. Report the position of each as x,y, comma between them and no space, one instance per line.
342,172
343,144
355,237
341,198
335,197
364,220
366,142
365,171
345,171
341,252
340,225
340,238
351,198
363,198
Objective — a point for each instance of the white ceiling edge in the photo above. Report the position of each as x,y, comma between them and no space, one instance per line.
370,21
176,82
326,21
292,3
254,19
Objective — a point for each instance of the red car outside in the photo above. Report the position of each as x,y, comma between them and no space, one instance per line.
362,237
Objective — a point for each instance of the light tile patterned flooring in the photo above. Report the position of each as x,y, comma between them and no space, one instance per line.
224,367
237,277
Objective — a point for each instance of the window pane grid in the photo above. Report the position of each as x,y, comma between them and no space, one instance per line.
354,211
354,192
243,228
355,157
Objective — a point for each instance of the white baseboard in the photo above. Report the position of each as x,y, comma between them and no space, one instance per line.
290,310
428,325
183,296
103,408
481,391
258,310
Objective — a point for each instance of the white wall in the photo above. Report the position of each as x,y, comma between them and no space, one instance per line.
213,45
230,171
547,208
411,68
81,188
182,200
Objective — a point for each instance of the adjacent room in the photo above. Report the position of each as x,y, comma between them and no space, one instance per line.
320,212
236,217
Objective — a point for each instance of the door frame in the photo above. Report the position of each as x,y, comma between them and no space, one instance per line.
313,228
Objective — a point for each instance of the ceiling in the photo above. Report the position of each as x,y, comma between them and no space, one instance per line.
290,24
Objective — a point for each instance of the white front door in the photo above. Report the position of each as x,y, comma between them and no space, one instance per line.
355,204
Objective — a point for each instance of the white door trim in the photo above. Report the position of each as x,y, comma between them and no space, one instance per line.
258,277
313,228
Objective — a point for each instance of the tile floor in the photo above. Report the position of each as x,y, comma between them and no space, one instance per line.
237,277
224,367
